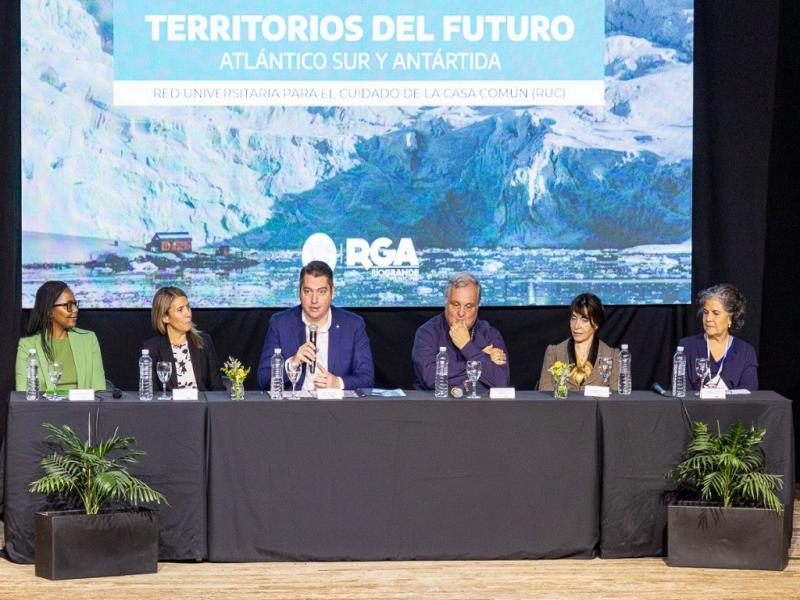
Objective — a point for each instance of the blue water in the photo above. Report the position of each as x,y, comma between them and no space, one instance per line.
510,277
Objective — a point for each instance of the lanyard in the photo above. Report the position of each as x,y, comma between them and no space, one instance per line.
718,376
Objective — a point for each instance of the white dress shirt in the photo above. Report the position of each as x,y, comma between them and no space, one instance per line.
322,351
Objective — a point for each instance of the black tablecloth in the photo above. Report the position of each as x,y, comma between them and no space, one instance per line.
172,434
409,478
398,478
644,436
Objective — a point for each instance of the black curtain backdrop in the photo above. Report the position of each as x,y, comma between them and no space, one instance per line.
746,160
10,273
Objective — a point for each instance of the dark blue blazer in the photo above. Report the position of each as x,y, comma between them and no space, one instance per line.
740,370
349,352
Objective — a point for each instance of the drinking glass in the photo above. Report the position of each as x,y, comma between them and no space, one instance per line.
473,374
54,373
604,363
164,371
294,374
701,367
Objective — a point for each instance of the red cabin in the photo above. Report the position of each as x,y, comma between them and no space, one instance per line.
170,241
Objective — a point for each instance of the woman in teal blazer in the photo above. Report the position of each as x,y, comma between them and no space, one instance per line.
52,332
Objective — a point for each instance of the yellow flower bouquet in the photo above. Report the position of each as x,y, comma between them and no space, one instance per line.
560,372
237,373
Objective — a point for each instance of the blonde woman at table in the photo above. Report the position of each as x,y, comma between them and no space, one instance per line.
191,352
583,348
56,339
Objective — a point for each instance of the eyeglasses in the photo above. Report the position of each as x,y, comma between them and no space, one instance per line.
70,306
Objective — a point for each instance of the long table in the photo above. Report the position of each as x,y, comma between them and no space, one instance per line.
402,479
644,436
405,478
172,433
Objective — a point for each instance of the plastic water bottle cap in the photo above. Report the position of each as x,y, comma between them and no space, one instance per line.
442,349
680,348
277,350
32,351
624,346
145,352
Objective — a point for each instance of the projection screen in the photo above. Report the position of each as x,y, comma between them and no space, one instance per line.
544,146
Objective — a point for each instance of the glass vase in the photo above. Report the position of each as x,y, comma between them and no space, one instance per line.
560,389
237,390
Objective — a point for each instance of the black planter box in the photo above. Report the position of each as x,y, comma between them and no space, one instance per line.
727,538
71,544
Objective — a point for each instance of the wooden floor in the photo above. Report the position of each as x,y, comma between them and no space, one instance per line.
640,579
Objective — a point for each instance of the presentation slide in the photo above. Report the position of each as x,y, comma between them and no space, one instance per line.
544,146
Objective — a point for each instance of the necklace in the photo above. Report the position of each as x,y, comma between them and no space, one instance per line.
582,354
727,347
581,357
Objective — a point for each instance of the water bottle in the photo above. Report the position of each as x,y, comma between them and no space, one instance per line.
440,384
32,381
679,374
625,385
145,376
276,375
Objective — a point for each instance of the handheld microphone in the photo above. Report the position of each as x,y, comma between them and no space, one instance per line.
656,387
312,337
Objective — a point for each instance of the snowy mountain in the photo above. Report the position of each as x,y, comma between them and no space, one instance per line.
664,23
618,175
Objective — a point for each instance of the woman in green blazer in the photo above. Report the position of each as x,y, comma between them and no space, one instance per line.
52,332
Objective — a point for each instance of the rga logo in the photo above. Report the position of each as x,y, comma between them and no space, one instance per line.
381,254
358,252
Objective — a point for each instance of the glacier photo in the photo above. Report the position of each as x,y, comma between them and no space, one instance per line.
540,202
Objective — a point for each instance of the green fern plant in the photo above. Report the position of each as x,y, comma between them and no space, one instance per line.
88,472
728,468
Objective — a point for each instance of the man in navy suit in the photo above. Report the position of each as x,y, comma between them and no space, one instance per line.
341,357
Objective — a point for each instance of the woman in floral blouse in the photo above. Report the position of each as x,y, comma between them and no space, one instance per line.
191,352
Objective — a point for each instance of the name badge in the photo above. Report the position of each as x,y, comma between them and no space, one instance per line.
329,394
500,393
184,394
712,394
81,395
597,391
